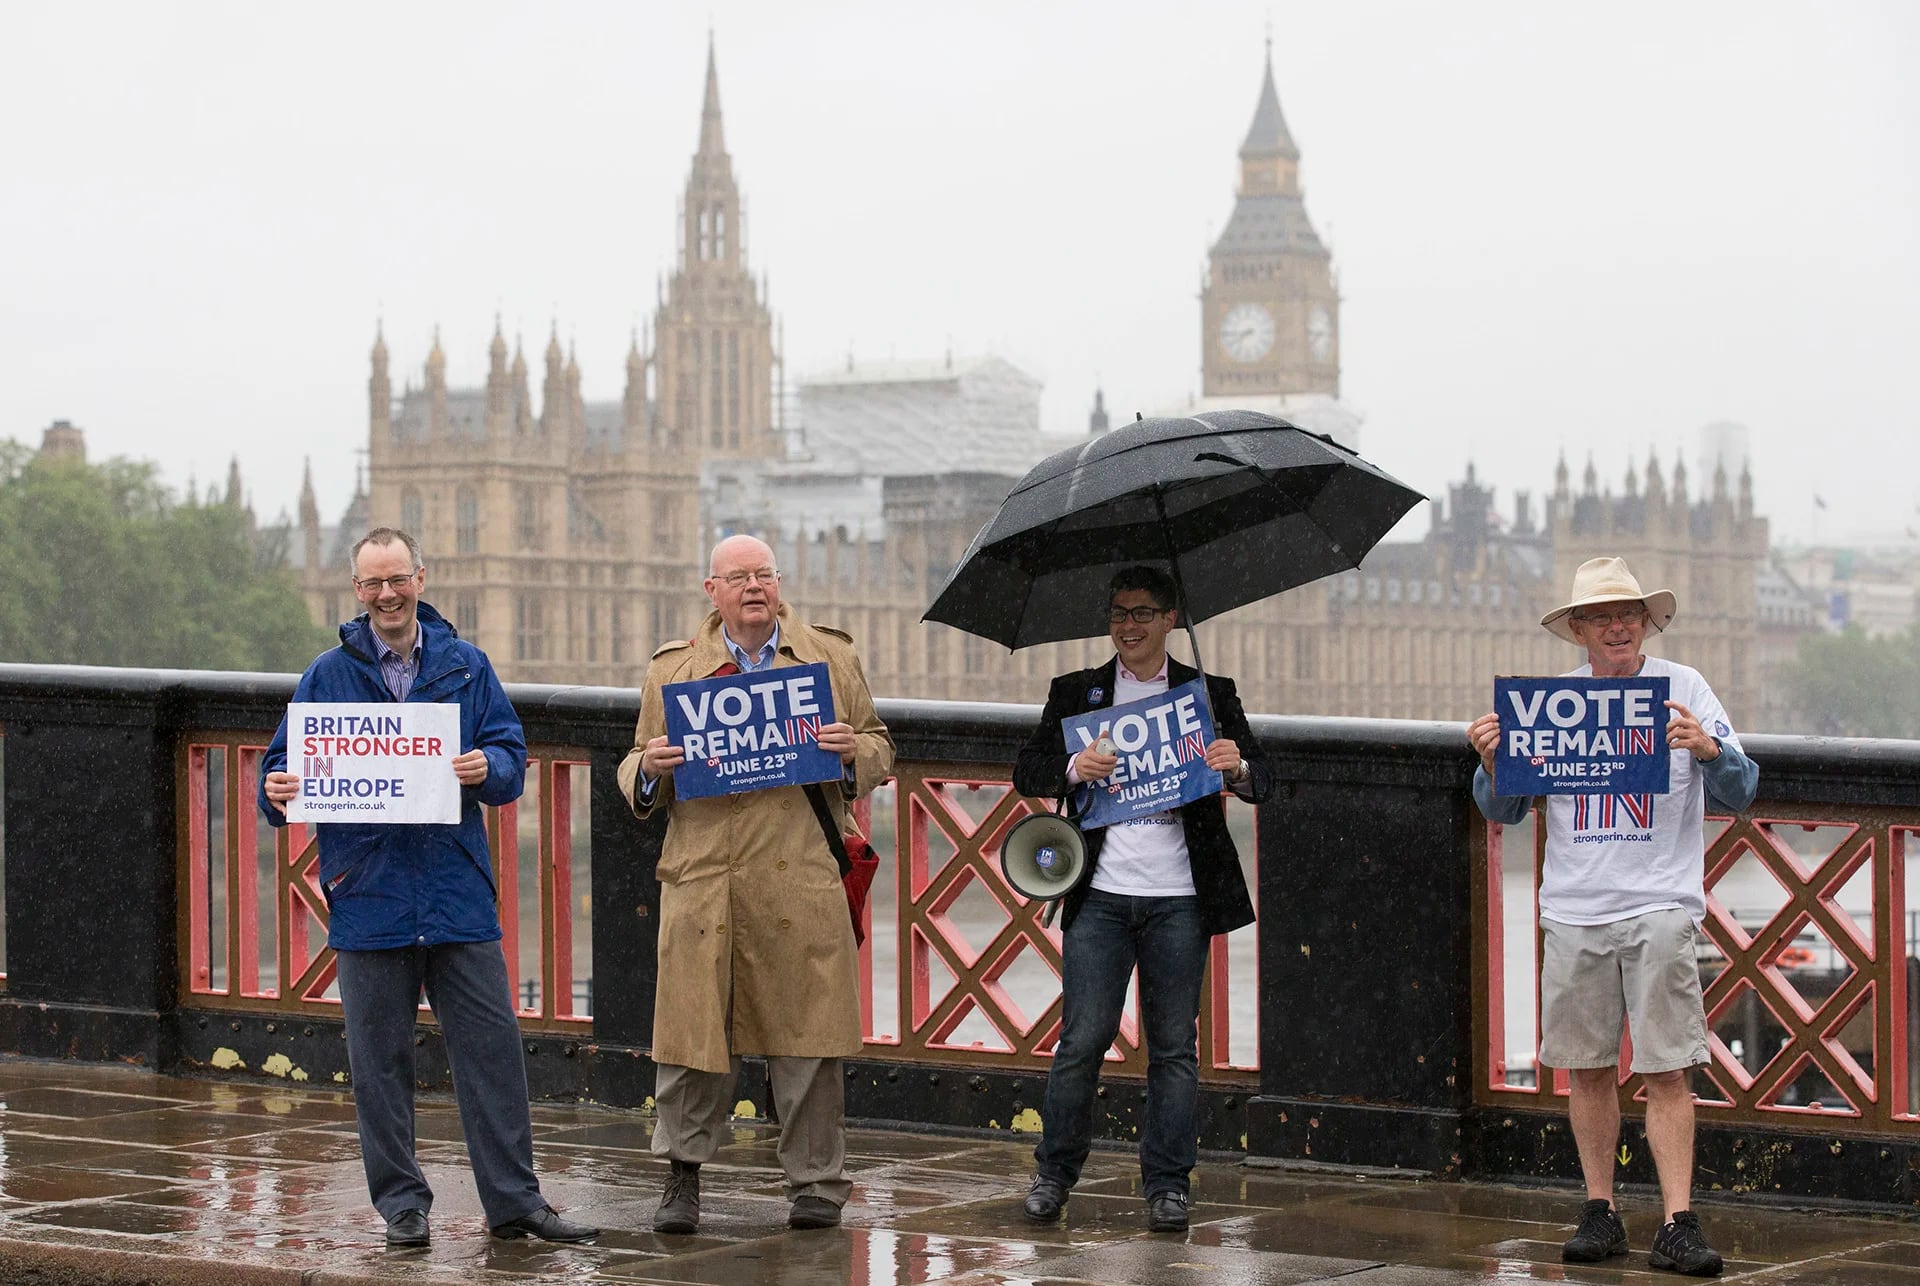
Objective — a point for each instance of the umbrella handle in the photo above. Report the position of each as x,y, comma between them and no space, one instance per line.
1180,601
1206,694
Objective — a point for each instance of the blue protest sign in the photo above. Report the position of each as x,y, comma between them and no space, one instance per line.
1162,743
751,731
1582,736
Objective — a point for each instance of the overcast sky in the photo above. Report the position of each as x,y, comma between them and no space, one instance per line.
1591,228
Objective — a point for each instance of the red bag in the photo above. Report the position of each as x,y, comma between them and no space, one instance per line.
857,860
862,865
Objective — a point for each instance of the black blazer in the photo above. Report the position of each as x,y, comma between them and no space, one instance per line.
1041,771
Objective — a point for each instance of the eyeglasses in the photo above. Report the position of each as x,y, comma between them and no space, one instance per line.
1138,615
740,580
374,584
1632,614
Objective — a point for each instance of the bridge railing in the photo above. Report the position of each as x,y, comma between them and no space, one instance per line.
1381,1013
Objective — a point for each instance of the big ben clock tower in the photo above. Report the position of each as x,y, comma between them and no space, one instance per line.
1270,315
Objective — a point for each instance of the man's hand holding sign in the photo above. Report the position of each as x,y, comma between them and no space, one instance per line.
1581,735
1682,732
741,732
1164,754
374,762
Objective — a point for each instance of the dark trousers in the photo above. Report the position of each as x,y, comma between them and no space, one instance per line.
1112,934
466,984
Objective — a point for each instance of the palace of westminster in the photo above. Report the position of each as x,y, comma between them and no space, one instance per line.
570,540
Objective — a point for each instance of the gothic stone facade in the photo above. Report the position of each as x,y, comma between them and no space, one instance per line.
570,542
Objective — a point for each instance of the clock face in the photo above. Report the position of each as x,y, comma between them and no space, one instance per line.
1319,333
1246,332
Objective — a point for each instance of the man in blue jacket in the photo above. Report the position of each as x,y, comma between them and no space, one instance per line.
415,906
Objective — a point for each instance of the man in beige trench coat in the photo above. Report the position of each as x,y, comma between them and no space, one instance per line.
756,949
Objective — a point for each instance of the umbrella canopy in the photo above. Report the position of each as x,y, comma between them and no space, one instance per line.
1237,505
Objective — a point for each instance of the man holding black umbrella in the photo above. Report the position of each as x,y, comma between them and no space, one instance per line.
1154,892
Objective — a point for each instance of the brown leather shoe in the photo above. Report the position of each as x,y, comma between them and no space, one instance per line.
679,1212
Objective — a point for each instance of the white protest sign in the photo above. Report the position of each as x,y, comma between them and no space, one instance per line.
374,762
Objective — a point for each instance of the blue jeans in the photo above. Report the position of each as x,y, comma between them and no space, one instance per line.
1112,934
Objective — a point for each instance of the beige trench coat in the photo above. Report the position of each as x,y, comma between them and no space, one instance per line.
753,918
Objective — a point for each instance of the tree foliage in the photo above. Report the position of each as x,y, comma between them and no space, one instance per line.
101,565
1851,685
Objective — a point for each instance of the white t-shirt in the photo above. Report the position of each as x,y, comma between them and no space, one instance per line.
1611,857
1145,857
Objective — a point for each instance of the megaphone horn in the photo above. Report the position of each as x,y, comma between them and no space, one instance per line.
1042,857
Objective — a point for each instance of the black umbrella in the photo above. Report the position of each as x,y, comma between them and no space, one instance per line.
1237,505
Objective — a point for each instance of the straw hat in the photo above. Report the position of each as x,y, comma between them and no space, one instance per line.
1607,580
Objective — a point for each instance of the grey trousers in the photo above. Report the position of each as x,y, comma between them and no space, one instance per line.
466,984
809,1094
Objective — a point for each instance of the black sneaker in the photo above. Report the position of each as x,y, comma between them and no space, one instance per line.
1600,1235
1682,1247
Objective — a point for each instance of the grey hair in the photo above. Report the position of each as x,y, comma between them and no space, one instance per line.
384,536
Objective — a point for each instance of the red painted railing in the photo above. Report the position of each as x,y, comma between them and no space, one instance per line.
976,978
956,967
1807,965
253,923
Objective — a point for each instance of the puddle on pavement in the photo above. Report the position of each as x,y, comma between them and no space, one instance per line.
1388,1235
292,1145
124,1217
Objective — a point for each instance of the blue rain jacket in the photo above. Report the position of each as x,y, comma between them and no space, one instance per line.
400,886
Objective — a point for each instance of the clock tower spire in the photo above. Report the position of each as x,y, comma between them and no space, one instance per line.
1270,311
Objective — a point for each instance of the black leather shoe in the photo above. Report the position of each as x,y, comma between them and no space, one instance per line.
679,1212
1167,1212
813,1212
408,1228
1045,1200
546,1225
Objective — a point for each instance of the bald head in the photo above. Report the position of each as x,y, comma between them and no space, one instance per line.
744,588
736,552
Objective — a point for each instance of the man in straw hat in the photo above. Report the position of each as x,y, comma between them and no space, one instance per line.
1620,906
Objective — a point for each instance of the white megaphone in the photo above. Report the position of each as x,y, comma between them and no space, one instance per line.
1042,857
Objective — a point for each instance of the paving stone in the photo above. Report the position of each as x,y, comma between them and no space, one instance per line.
62,1101
169,1127
835,1256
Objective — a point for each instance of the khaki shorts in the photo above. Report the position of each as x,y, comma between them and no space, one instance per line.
1641,970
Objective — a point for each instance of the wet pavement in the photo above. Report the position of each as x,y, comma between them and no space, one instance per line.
111,1174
